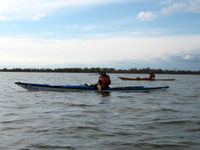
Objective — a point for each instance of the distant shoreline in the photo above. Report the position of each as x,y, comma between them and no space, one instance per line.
96,70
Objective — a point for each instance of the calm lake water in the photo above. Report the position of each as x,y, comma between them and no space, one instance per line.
159,120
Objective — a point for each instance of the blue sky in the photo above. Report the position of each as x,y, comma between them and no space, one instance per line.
122,34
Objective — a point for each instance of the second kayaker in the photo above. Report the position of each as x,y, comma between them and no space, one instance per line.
152,76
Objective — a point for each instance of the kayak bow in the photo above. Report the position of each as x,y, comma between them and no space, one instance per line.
63,88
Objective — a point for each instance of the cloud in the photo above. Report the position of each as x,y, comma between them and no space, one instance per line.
83,28
2,17
188,57
187,64
146,16
38,16
192,56
15,26
24,51
194,6
89,28
173,8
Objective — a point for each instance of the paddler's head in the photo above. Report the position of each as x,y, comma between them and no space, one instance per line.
101,72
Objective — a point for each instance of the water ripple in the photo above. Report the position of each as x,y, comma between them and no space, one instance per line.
94,121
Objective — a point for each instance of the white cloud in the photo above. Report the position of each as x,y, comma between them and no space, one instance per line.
85,28
188,57
25,51
194,6
38,16
89,28
2,17
15,26
146,16
173,8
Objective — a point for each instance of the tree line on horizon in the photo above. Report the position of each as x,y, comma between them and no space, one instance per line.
96,70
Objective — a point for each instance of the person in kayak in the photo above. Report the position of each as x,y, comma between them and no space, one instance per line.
152,76
104,80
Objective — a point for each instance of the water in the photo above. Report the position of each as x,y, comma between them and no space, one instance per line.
159,120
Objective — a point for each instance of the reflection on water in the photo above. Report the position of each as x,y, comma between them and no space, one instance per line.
104,96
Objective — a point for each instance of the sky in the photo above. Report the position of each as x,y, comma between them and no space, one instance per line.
120,34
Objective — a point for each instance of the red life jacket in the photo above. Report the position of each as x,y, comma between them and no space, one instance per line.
104,81
152,76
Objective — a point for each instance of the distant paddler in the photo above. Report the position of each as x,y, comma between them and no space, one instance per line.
152,76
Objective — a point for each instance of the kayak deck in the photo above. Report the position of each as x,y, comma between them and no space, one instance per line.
144,79
63,88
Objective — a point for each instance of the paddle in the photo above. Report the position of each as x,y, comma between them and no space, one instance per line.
99,87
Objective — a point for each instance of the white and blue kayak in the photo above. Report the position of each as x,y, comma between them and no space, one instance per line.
63,88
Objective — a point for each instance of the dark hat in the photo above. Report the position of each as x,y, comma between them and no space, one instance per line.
102,72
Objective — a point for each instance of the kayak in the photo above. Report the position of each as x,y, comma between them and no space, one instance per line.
63,88
145,79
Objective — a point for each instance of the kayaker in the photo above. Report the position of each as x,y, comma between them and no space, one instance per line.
152,76
104,80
